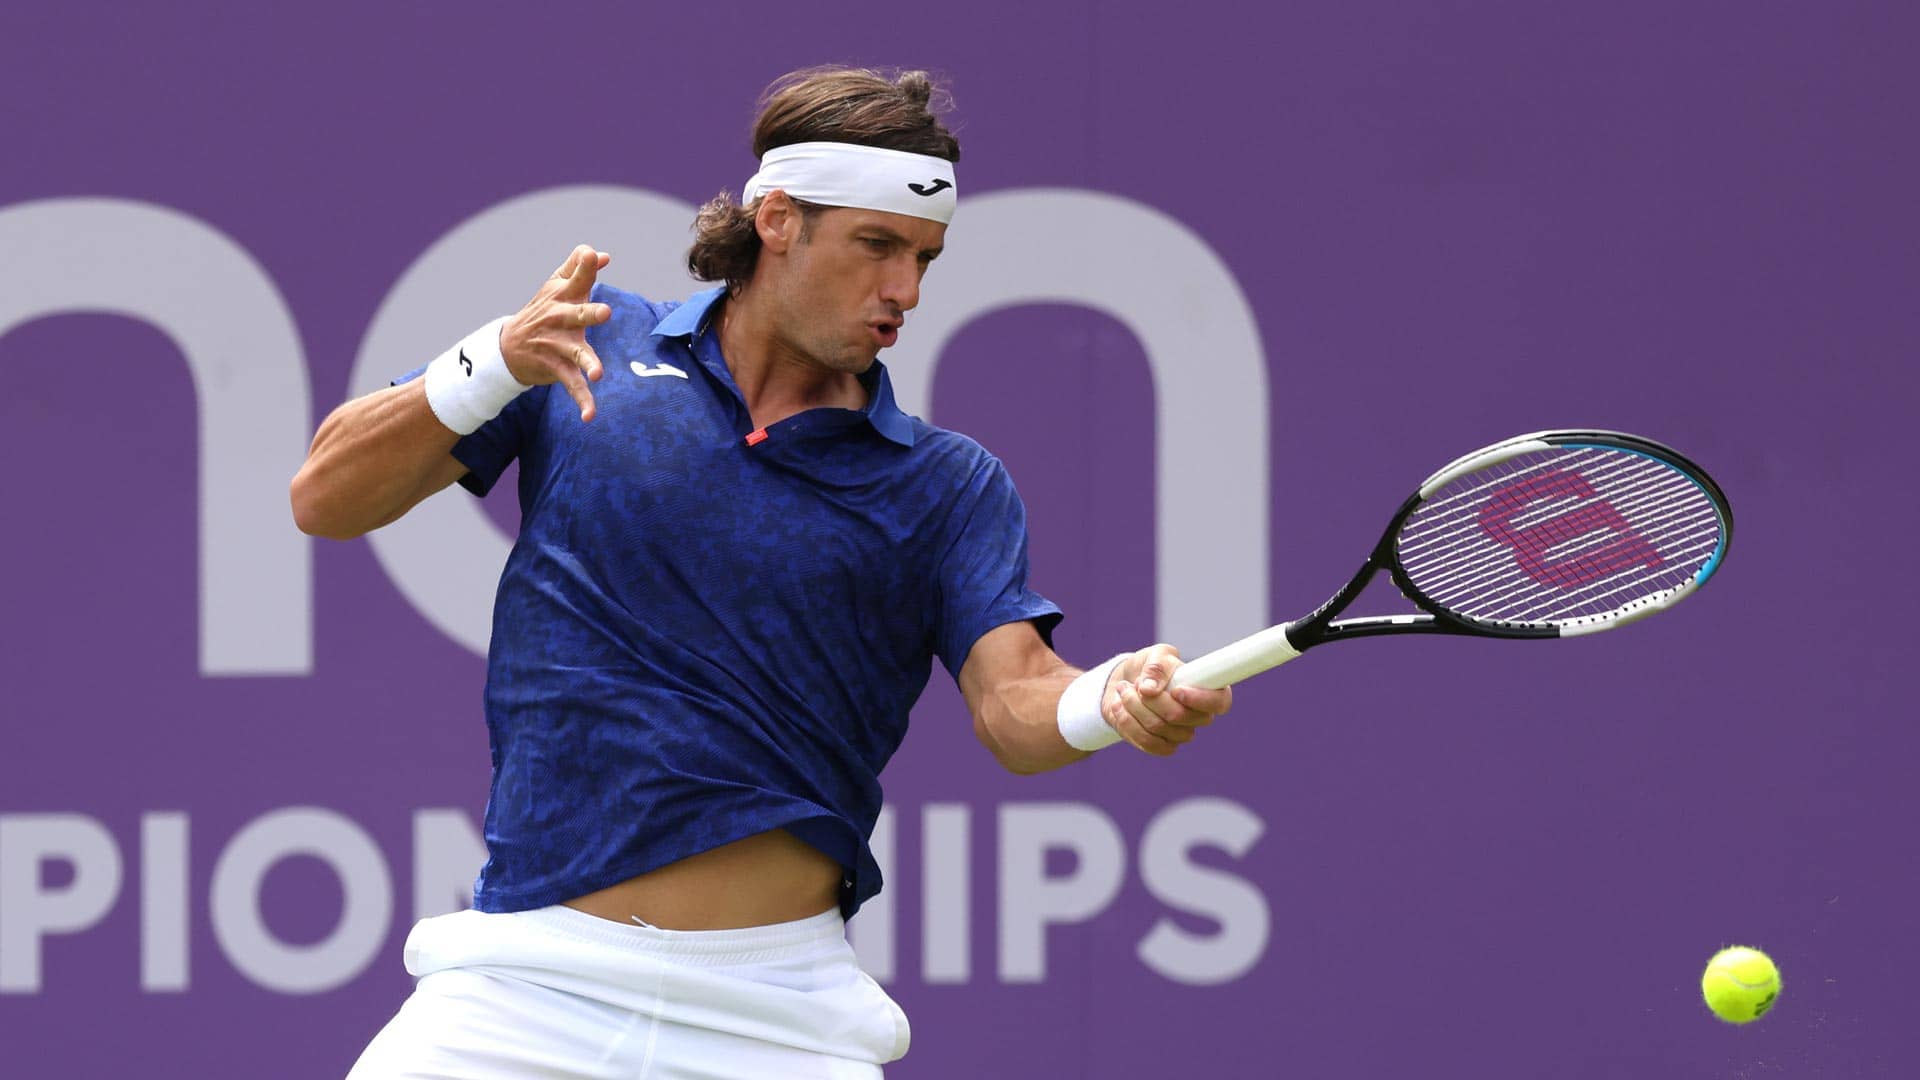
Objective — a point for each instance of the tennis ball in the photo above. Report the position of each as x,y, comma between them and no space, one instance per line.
1740,984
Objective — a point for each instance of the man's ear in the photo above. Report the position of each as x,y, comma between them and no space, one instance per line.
777,221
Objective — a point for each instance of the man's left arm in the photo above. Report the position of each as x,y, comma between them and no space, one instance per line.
1013,684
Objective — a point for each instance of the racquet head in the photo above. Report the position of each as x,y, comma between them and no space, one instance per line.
1558,533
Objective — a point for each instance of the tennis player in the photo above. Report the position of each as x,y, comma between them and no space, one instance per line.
737,562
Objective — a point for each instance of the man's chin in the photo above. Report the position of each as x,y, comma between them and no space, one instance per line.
857,360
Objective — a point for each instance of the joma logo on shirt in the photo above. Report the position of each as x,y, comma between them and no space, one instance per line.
662,368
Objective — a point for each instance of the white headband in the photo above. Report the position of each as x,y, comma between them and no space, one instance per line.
868,177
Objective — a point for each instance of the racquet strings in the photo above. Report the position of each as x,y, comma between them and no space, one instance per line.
1560,535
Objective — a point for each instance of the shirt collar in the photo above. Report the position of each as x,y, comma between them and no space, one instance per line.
882,413
692,319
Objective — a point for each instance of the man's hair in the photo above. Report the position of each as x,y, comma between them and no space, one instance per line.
821,104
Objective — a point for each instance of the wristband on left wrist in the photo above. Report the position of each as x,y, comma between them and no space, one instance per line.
469,384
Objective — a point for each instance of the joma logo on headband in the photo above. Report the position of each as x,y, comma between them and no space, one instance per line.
935,188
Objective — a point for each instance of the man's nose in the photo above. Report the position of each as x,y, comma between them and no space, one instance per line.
901,286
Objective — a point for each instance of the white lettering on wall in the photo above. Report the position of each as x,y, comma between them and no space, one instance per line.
1031,901
945,886
29,910
366,912
447,851
163,902
1178,882
220,308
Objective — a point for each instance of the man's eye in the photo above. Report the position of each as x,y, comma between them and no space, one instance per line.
875,244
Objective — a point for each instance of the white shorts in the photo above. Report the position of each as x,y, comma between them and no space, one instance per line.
557,993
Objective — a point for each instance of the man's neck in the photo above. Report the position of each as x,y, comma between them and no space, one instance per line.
775,380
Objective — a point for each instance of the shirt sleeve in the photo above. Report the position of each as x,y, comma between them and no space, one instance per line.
489,450
983,571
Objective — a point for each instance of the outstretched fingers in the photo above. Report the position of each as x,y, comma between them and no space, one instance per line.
575,380
547,341
580,253
587,361
580,266
586,265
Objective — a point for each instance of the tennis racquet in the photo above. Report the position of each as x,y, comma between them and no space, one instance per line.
1554,534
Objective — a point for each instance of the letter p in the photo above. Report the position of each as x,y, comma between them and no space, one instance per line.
1030,899
29,910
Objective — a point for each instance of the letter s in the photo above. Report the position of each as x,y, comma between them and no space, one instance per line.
1238,906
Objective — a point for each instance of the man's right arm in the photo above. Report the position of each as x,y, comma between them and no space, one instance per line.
377,457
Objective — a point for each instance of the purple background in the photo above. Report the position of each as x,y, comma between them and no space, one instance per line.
1454,222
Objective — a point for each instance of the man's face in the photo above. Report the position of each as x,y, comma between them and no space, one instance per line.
846,285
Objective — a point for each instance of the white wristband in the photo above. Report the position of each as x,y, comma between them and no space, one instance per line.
469,384
1079,714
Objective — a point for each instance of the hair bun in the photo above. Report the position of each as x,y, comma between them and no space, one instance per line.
916,85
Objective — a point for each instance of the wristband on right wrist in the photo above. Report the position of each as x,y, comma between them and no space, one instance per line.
1078,715
469,384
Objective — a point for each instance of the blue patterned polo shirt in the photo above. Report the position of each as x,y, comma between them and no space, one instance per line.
700,635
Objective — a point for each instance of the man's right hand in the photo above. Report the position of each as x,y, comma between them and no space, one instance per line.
547,341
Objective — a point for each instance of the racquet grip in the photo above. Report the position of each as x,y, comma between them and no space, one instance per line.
1247,657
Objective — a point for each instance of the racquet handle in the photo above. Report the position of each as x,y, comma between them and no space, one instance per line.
1228,664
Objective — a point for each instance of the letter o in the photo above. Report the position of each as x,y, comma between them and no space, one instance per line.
366,911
